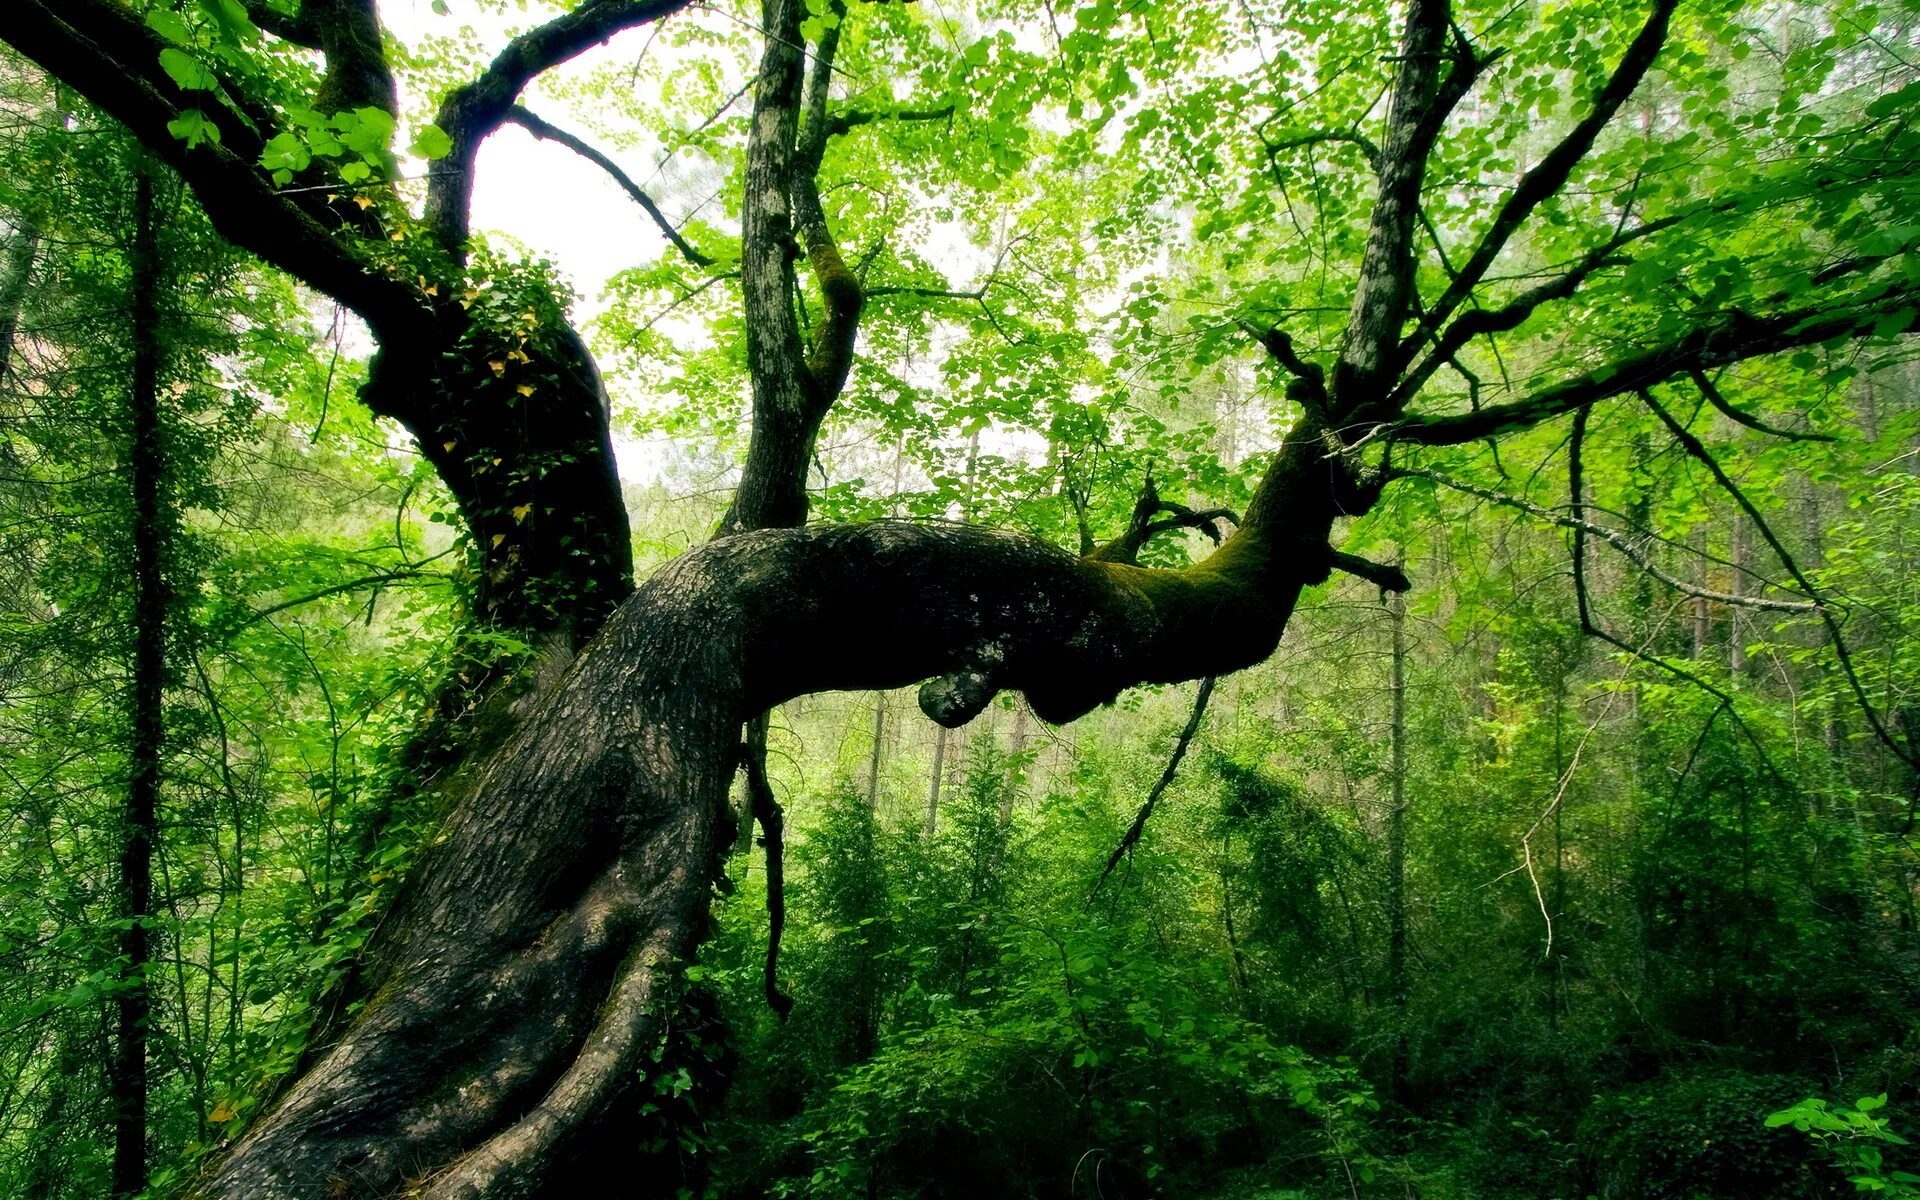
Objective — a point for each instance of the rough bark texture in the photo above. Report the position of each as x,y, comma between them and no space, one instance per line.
520,978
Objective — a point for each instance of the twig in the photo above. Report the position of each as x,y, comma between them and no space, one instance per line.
1139,825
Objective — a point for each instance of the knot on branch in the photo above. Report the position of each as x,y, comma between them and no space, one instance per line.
1388,577
954,699
1146,522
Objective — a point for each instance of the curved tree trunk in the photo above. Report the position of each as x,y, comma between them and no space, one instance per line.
523,974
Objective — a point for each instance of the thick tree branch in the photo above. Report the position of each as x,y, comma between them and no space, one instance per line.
841,293
1511,315
772,488
1421,102
1731,338
1142,526
1550,174
473,111
292,27
101,51
520,116
357,74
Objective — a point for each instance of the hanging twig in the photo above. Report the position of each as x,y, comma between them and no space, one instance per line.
767,812
1592,628
1139,825
1698,451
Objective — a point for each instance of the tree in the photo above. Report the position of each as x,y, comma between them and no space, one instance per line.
499,1016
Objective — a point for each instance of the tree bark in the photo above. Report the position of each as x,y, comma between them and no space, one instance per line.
518,982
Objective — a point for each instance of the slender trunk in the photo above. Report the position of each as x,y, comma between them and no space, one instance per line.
1397,849
1736,640
15,272
1702,611
879,750
134,1005
1017,749
942,733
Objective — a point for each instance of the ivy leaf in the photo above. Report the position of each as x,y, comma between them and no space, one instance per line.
169,26
230,18
186,70
285,151
193,127
431,142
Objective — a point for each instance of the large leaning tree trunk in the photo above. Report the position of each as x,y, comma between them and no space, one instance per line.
508,1000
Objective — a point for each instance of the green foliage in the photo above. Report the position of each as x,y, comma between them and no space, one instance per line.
1855,1139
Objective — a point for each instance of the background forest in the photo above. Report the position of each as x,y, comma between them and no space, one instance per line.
1557,875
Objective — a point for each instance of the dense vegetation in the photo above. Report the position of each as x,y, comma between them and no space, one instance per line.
1583,866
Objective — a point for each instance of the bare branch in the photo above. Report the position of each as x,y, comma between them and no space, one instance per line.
1699,453
1634,550
843,122
1132,837
520,116
1350,137
473,111
927,293
1592,628
1737,416
1142,525
1732,337
1388,577
1551,173
1278,344
1510,316
772,821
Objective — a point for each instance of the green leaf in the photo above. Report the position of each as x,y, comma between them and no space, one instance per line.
1888,326
186,70
169,26
285,151
193,127
431,142
365,131
230,18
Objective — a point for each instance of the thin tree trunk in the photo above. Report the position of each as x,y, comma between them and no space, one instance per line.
1736,640
1017,748
942,733
879,750
134,1004
1702,611
15,273
1397,848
